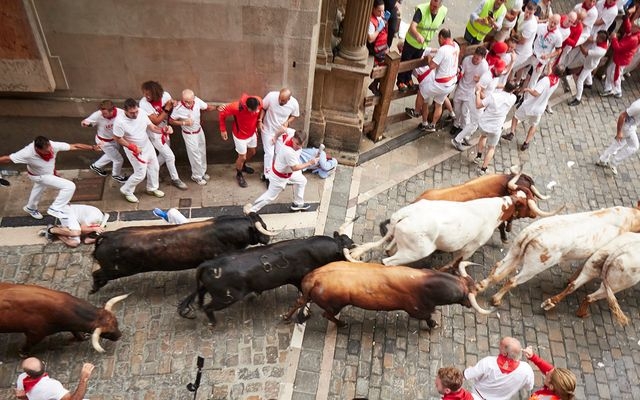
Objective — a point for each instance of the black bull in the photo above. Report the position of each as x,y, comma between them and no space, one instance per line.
231,277
130,251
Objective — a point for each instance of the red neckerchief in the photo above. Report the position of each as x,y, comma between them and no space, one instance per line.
553,79
459,394
506,364
28,382
288,141
113,114
448,41
603,45
549,32
544,393
586,7
612,5
157,105
186,106
46,156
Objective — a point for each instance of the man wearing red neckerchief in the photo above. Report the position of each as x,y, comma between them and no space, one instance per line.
449,384
624,48
40,158
35,384
501,377
590,55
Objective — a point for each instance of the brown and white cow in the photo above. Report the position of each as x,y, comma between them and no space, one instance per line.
381,288
617,264
558,239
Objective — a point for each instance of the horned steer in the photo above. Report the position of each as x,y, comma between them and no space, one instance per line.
557,239
231,277
417,230
381,288
130,251
617,265
39,312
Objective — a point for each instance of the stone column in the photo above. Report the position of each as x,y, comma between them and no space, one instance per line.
352,48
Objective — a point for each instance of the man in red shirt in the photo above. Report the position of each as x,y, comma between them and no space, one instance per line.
245,113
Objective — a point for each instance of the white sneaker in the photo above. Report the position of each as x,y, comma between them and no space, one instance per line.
57,213
206,177
131,198
199,181
105,219
156,193
613,169
34,213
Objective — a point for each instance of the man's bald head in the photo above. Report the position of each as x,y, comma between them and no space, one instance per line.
188,95
511,348
33,367
285,95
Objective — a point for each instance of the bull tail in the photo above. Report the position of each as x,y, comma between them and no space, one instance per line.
303,314
618,314
184,308
356,253
384,227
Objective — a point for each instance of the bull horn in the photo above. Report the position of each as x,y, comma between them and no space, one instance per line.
537,193
476,306
347,255
534,207
109,305
512,183
95,339
264,231
462,268
343,227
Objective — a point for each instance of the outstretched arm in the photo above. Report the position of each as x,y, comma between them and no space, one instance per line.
85,374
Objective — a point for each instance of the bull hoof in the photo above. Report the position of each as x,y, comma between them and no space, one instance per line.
496,301
188,313
505,241
582,314
547,305
432,324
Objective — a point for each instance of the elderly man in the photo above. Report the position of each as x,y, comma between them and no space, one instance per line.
40,157
546,46
103,121
501,377
287,168
279,110
485,18
130,131
186,114
35,384
427,19
245,113
81,221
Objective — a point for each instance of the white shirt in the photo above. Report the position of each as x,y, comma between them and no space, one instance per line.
36,165
104,125
372,28
546,42
45,389
536,105
564,32
146,107
492,384
181,112
447,59
527,28
274,114
471,76
592,16
286,157
608,15
593,57
497,106
132,130
633,113
82,214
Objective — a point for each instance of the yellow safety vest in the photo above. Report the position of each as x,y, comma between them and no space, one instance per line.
479,31
427,26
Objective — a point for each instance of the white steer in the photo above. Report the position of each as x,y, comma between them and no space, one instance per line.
617,264
417,230
558,239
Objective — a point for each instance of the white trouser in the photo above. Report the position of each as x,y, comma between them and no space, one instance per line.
461,108
584,77
150,168
619,151
538,69
268,147
111,154
277,185
165,154
566,56
609,83
197,153
470,128
42,182
175,217
522,60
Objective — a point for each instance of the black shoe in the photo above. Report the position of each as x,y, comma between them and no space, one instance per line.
455,130
411,112
241,181
574,102
588,87
97,170
509,136
266,183
524,146
299,207
247,169
519,101
466,142
263,177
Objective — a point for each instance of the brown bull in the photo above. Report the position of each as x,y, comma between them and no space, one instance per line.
383,288
39,312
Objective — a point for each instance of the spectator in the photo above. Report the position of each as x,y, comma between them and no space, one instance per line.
546,46
377,39
624,48
245,113
80,226
534,104
40,158
393,24
427,19
501,377
510,19
559,383
130,131
157,104
186,114
473,67
590,55
103,121
526,29
35,384
325,163
592,13
486,17
279,110
439,82
607,13
625,143
287,168
449,384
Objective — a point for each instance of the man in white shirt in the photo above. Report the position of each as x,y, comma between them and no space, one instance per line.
473,67
501,377
130,131
186,114
82,220
526,28
590,55
158,105
286,169
35,384
625,143
40,158
592,13
534,104
103,121
279,110
546,46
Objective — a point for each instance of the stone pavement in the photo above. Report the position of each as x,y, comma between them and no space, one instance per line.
383,355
